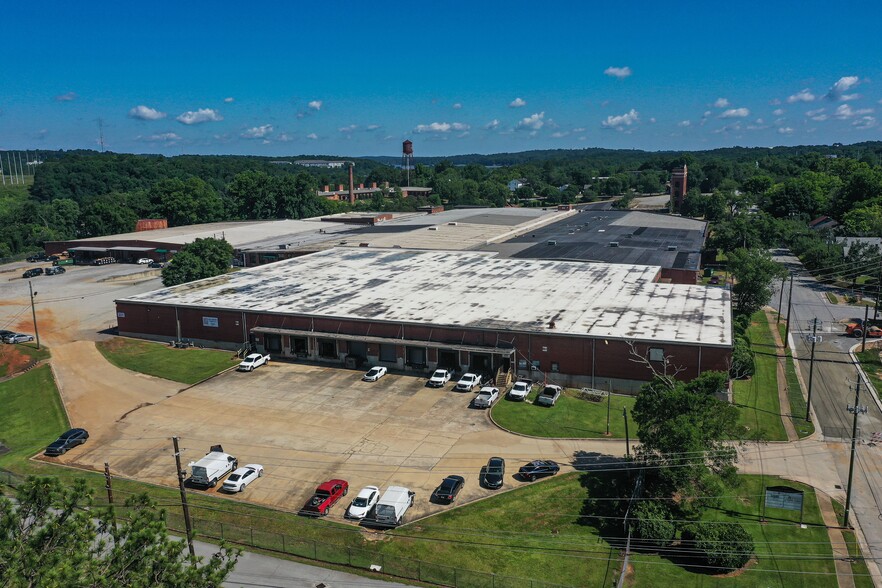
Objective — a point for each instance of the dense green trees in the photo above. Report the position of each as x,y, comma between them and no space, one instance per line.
755,271
51,537
204,258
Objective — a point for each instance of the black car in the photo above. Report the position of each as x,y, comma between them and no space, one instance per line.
493,473
156,264
4,333
68,440
51,271
37,257
538,469
448,489
34,271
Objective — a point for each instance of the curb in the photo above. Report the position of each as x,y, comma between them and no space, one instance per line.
863,375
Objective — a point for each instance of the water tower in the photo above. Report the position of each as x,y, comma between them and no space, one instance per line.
407,158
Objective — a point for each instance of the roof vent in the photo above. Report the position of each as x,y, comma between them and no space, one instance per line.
613,243
433,228
672,247
552,242
452,224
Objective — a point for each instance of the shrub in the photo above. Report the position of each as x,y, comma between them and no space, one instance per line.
742,361
725,546
652,524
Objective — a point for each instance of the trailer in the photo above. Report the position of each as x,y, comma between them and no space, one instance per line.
210,469
391,507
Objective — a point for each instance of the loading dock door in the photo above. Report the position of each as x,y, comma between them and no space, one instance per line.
327,348
273,343
388,353
447,359
358,349
416,356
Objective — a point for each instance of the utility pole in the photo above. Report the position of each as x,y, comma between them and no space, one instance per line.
781,299
789,302
627,439
34,312
878,292
184,504
108,485
864,329
855,410
608,402
814,339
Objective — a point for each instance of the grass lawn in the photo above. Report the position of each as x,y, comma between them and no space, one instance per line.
831,297
14,358
180,365
757,398
570,417
872,367
803,427
32,414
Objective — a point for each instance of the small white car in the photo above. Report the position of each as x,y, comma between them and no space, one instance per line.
439,378
520,390
253,360
144,261
239,480
18,338
467,382
486,397
363,503
374,374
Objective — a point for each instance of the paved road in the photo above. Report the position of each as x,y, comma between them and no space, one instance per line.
833,390
255,570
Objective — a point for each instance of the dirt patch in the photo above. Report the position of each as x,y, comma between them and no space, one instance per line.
14,360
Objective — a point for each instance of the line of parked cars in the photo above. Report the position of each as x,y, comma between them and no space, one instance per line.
12,337
38,271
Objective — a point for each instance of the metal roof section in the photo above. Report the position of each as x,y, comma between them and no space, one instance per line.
470,289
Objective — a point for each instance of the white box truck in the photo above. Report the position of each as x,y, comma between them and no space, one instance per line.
390,510
211,468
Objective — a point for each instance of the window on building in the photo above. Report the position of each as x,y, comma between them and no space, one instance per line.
555,367
656,354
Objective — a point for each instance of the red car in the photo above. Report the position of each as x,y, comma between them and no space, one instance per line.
326,496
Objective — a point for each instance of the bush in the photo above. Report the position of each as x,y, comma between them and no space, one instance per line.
740,324
725,546
652,524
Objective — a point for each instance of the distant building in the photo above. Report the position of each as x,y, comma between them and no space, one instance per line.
320,163
678,185
823,223
515,184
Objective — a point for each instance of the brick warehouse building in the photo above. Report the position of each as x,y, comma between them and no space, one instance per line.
571,322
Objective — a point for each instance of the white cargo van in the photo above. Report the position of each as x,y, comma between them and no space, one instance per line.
391,507
211,468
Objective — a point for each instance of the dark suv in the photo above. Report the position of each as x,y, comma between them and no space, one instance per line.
54,270
33,272
67,441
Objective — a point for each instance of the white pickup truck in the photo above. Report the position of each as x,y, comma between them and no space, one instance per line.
467,382
391,507
252,361
211,468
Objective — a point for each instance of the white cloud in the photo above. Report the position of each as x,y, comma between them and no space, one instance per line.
774,102
579,130
817,114
517,103
257,132
735,113
442,127
142,112
457,106
492,125
842,85
865,122
721,103
229,99
778,111
733,127
315,105
652,120
66,97
684,123
559,134
844,111
348,129
704,117
312,136
372,127
284,138
785,131
621,121
618,72
804,95
161,137
534,122
199,116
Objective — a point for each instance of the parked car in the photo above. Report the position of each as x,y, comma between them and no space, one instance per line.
67,441
467,382
53,258
538,468
33,272
209,470
4,334
493,474
239,480
38,257
486,397
439,378
144,261
520,390
374,374
325,496
156,264
366,500
18,338
253,360
549,395
448,489
54,270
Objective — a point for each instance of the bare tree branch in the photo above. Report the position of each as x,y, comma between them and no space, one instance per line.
667,372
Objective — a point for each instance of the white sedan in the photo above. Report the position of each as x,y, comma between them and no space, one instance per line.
363,503
374,374
145,261
520,390
439,378
252,361
486,397
243,476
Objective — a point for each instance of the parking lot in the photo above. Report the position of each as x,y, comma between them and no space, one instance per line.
306,424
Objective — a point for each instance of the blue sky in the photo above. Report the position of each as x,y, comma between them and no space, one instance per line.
356,78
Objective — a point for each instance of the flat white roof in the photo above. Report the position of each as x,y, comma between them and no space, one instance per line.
470,289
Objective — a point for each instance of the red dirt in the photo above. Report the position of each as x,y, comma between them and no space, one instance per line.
13,359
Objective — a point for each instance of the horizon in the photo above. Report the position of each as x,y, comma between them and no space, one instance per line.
304,79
